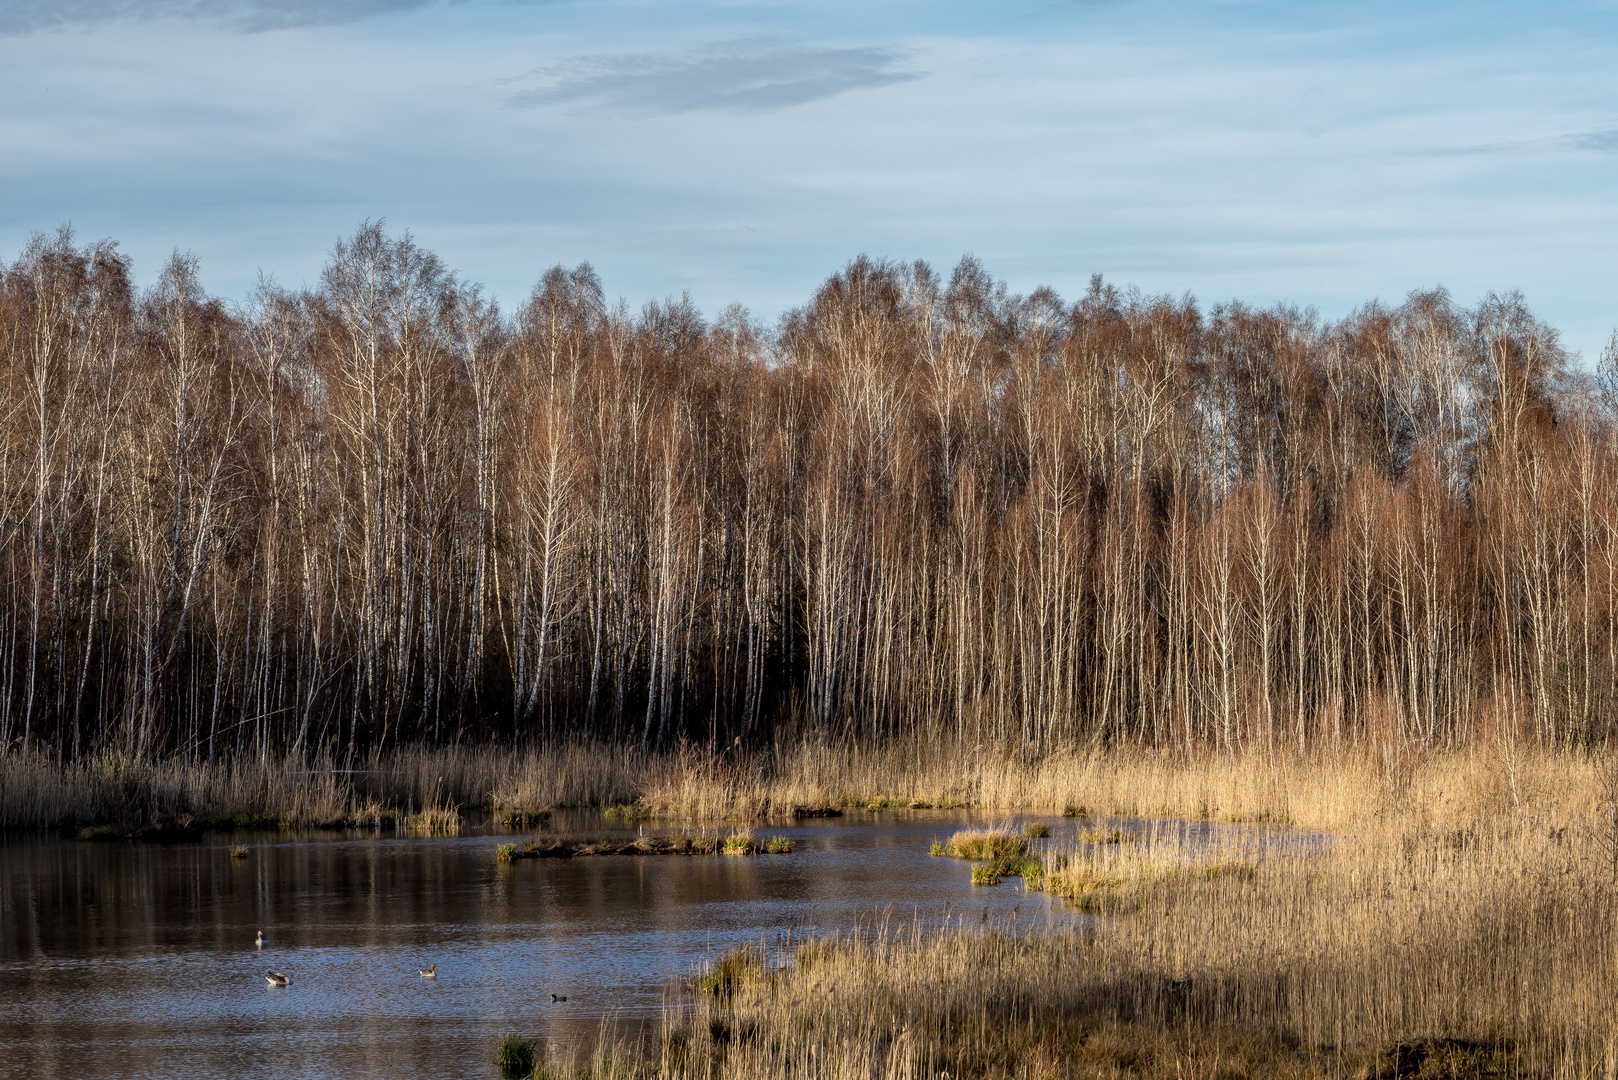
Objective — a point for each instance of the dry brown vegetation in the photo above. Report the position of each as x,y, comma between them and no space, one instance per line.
986,844
1460,922
1326,789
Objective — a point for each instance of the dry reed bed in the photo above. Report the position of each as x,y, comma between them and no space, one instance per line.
1402,948
1461,921
1322,790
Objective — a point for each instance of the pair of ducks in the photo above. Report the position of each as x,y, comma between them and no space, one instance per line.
278,978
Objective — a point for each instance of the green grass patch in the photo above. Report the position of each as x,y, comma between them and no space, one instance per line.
238,852
515,1056
505,853
778,845
996,870
985,874
743,964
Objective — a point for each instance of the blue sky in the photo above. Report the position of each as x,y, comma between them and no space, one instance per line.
1322,154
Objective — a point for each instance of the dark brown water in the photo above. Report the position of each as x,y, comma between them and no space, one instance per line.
137,960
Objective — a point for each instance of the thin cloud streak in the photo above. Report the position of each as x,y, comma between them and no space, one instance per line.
1602,142
18,17
724,76
1599,142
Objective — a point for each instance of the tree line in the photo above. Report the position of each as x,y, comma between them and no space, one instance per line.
382,510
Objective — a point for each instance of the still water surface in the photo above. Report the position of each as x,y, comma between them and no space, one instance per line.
137,960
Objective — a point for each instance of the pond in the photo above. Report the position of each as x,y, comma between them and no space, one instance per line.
138,960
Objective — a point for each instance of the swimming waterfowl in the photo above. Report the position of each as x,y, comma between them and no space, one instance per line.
275,978
430,973
555,998
260,940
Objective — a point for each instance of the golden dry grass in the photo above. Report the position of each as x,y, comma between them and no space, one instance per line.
1324,790
1424,940
1459,919
1457,916
983,844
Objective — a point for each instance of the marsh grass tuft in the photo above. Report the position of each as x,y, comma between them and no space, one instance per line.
741,965
437,818
515,1056
739,843
778,845
980,845
1114,835
238,851
993,871
505,853
1036,830
525,819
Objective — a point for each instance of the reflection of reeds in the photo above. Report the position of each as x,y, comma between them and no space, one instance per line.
524,819
737,843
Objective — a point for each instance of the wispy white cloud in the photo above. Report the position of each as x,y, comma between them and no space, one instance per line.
731,76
